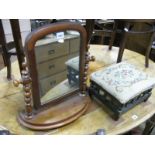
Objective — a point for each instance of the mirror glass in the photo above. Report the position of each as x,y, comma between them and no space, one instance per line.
57,58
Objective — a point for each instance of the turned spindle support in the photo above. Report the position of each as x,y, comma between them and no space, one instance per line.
26,82
88,58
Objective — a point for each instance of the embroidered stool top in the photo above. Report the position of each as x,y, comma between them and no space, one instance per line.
73,63
123,81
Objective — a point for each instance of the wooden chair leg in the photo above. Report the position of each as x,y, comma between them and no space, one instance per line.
122,47
9,71
18,41
122,44
149,50
101,39
89,28
4,59
150,124
113,35
7,63
5,54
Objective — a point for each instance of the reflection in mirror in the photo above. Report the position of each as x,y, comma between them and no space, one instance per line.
57,58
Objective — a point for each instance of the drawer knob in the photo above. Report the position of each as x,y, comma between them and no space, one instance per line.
51,66
52,83
51,52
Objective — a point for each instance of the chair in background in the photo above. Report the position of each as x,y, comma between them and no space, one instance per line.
36,23
128,30
128,25
99,28
11,48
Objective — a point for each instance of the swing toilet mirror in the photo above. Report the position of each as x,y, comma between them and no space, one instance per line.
55,76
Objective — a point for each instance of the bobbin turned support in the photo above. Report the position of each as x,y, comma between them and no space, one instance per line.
26,82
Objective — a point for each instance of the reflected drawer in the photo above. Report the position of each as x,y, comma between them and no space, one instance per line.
52,50
51,67
47,83
74,45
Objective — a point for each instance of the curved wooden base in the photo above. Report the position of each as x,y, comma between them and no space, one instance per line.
58,115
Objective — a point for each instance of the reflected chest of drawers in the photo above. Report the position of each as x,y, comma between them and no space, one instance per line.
51,56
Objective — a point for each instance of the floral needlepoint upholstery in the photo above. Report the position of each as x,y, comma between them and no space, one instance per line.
123,81
73,63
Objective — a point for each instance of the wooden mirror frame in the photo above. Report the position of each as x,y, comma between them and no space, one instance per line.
30,55
43,117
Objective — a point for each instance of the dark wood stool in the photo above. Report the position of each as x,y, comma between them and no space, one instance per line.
7,47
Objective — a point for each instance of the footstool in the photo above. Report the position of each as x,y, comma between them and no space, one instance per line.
120,87
73,71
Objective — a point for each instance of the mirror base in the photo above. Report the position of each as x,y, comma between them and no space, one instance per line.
56,116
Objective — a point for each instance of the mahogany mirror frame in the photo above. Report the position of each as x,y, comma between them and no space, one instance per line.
30,55
40,117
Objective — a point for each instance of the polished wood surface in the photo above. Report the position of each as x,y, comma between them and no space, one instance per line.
96,117
57,116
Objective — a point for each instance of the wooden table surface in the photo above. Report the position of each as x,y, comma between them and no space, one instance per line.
96,117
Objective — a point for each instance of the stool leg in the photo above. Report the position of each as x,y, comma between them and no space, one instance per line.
150,124
149,50
116,116
90,94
